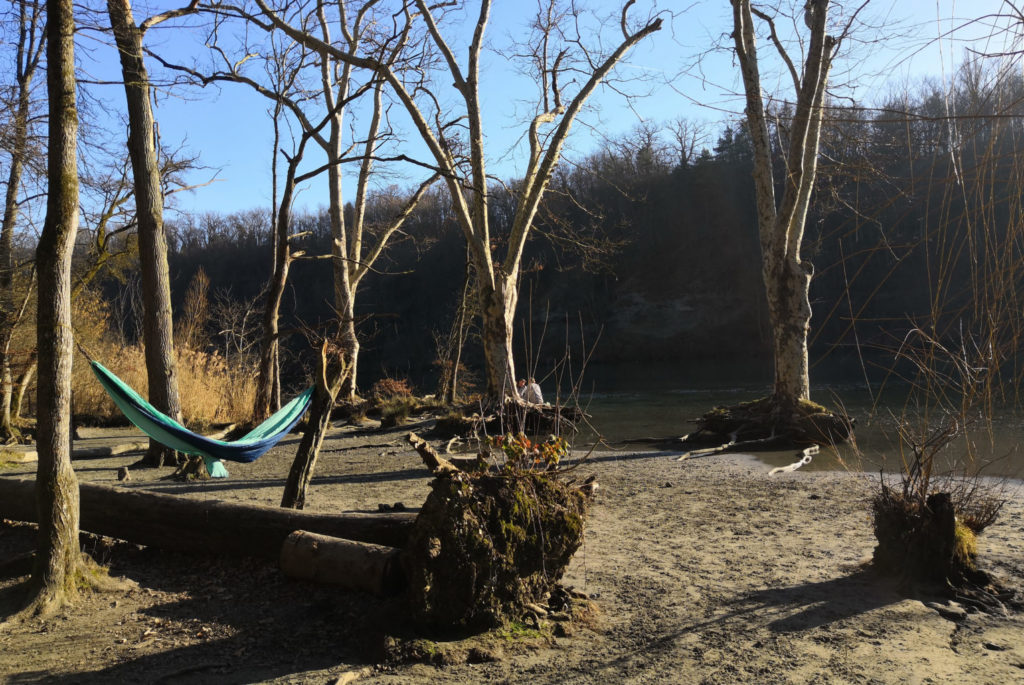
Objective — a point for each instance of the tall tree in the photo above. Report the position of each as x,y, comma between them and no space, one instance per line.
158,327
553,55
787,276
28,53
56,485
322,112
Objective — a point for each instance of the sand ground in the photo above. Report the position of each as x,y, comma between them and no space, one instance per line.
704,571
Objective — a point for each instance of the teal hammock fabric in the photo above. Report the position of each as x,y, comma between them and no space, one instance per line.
169,432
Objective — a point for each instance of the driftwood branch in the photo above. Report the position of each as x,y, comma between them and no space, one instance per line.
112,451
437,464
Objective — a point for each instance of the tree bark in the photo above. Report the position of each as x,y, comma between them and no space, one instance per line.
56,490
29,51
351,565
266,385
786,275
318,424
498,308
161,366
203,526
23,382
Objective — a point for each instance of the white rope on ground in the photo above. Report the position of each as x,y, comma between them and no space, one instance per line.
804,461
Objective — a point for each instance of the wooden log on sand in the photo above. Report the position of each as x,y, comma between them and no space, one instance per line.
352,565
112,451
205,526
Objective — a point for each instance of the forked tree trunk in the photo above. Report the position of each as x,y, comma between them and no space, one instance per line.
469,190
787,276
498,307
161,366
56,485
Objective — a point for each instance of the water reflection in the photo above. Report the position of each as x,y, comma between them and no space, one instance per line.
648,401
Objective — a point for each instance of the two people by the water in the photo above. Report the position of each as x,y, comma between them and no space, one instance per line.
530,392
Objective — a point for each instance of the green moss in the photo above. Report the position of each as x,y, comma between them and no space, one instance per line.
517,630
807,407
965,545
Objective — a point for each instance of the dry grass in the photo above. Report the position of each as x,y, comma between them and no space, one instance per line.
210,391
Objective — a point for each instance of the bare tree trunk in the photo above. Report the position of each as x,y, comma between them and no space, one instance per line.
56,485
469,189
350,347
267,382
787,277
332,375
790,309
498,308
161,366
449,390
24,381
344,304
30,46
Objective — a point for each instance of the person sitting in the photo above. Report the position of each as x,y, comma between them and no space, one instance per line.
531,392
521,387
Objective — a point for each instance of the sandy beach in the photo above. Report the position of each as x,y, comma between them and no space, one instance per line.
703,571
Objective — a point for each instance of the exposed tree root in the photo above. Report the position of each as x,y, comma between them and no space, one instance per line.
765,424
87,576
488,542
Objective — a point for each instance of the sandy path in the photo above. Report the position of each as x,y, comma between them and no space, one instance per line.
702,571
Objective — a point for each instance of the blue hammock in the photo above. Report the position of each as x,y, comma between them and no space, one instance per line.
169,432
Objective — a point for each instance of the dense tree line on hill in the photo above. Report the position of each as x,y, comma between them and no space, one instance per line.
650,253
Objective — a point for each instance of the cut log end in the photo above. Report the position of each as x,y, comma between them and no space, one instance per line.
346,563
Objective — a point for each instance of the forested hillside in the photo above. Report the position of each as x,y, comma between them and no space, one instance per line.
649,252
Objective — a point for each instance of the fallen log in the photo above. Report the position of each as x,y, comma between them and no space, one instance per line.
349,564
16,456
205,526
113,451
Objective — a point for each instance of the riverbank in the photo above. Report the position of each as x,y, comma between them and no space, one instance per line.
706,570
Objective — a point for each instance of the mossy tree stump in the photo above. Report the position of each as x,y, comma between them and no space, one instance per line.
924,543
929,546
486,544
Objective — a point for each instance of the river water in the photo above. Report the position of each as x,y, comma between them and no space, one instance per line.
660,401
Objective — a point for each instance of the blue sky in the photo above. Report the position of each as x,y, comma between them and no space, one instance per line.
684,76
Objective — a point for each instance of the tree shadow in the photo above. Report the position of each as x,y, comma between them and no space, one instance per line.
822,603
630,456
262,625
177,488
815,605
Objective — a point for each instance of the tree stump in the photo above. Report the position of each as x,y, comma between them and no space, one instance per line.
486,544
923,544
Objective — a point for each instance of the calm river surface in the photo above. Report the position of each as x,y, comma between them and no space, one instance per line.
664,400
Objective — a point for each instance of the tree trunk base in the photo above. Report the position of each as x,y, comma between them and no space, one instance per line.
193,468
768,425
